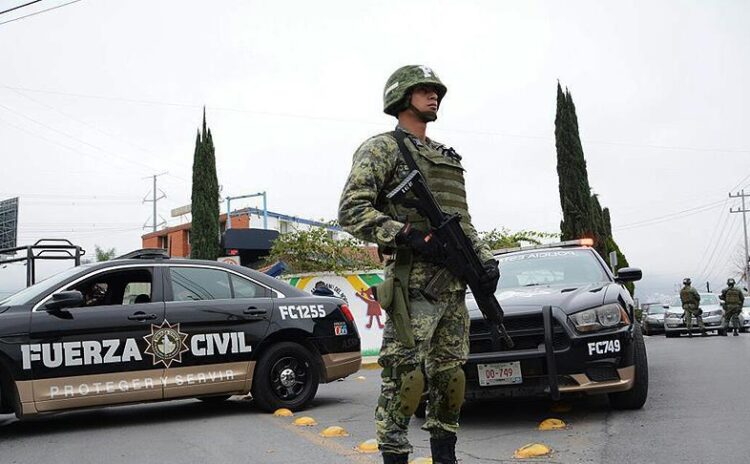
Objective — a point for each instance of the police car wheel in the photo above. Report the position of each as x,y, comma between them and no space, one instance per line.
634,398
286,377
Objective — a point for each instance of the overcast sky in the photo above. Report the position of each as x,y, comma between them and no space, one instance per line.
98,95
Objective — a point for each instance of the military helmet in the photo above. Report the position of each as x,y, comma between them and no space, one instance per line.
730,282
402,81
686,281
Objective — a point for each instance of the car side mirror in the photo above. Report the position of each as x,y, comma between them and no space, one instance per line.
628,274
62,300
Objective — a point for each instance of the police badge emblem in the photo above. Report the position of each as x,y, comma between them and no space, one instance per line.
166,343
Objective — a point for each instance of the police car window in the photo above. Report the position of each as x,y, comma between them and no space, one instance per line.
115,288
709,300
550,267
243,288
195,284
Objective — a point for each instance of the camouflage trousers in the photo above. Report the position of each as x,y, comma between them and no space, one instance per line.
689,320
441,333
732,315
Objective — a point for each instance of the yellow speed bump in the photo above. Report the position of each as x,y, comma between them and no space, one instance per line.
283,412
552,424
422,461
334,431
532,450
305,422
561,407
367,447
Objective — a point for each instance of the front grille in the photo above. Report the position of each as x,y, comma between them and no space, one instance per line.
602,373
527,332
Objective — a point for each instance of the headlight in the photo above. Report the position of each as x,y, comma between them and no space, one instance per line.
599,318
714,313
672,315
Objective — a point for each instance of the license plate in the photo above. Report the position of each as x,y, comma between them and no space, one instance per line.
499,374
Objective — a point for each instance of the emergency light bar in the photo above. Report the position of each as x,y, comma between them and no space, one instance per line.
585,242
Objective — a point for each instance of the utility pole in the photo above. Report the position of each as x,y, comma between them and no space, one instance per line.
154,199
742,195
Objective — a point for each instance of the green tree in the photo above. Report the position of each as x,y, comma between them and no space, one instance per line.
205,233
504,238
315,250
104,254
583,215
575,193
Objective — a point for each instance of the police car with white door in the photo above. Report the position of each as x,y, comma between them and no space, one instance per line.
148,328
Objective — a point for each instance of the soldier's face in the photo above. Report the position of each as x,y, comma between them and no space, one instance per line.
425,98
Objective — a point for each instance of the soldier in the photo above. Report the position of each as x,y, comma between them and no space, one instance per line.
733,300
691,304
419,328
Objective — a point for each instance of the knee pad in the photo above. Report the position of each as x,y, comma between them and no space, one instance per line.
412,386
453,383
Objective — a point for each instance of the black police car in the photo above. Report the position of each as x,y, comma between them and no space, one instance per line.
573,326
148,328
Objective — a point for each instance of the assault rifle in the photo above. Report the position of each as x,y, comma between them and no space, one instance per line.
461,258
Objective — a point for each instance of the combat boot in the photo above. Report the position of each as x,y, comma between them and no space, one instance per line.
393,458
443,450
704,334
736,332
690,334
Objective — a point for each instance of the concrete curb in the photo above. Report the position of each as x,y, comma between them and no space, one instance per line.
370,362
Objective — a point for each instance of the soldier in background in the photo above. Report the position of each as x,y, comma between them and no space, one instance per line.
691,301
733,300
420,328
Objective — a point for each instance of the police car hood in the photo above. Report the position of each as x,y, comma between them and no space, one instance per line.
568,297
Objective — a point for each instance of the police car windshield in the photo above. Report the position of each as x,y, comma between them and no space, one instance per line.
709,300
28,294
550,267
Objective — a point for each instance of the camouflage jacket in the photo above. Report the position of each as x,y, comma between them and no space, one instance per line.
733,297
364,212
690,297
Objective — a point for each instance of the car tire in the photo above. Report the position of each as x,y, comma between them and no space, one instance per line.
722,332
287,376
634,398
214,399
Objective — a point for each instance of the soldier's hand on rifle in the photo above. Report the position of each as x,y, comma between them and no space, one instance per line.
424,244
491,276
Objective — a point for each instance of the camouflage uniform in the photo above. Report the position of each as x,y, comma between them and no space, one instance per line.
440,327
733,300
691,299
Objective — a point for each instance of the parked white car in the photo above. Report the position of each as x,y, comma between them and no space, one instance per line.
713,316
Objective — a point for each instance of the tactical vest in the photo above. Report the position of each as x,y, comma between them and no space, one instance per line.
732,297
445,178
688,299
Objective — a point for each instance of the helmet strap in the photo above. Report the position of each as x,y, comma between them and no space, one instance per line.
424,116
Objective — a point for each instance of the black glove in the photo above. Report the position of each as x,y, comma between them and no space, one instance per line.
424,244
491,276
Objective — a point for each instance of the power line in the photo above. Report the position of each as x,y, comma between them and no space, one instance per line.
671,216
713,241
102,150
19,7
355,121
39,12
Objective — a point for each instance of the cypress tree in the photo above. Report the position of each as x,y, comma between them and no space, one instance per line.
575,193
583,215
205,233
